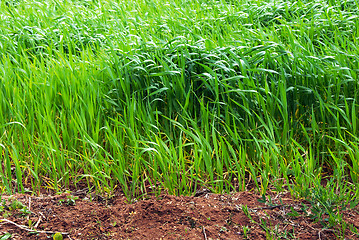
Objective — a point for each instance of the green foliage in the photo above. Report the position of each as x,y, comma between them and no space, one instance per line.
154,95
5,236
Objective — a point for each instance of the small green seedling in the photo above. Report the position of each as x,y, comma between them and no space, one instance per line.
15,205
70,201
58,236
293,213
245,230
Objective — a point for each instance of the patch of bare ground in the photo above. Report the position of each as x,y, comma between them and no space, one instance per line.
208,216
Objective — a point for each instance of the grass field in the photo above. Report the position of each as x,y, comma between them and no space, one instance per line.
154,95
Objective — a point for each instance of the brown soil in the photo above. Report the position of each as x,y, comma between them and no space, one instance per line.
208,216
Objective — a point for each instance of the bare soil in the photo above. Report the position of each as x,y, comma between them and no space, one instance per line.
206,216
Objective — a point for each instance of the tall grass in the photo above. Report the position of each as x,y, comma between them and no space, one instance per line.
177,95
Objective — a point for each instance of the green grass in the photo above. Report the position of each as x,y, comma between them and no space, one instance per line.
173,95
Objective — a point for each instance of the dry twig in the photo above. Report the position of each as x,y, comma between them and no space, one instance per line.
29,203
23,227
38,222
204,233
